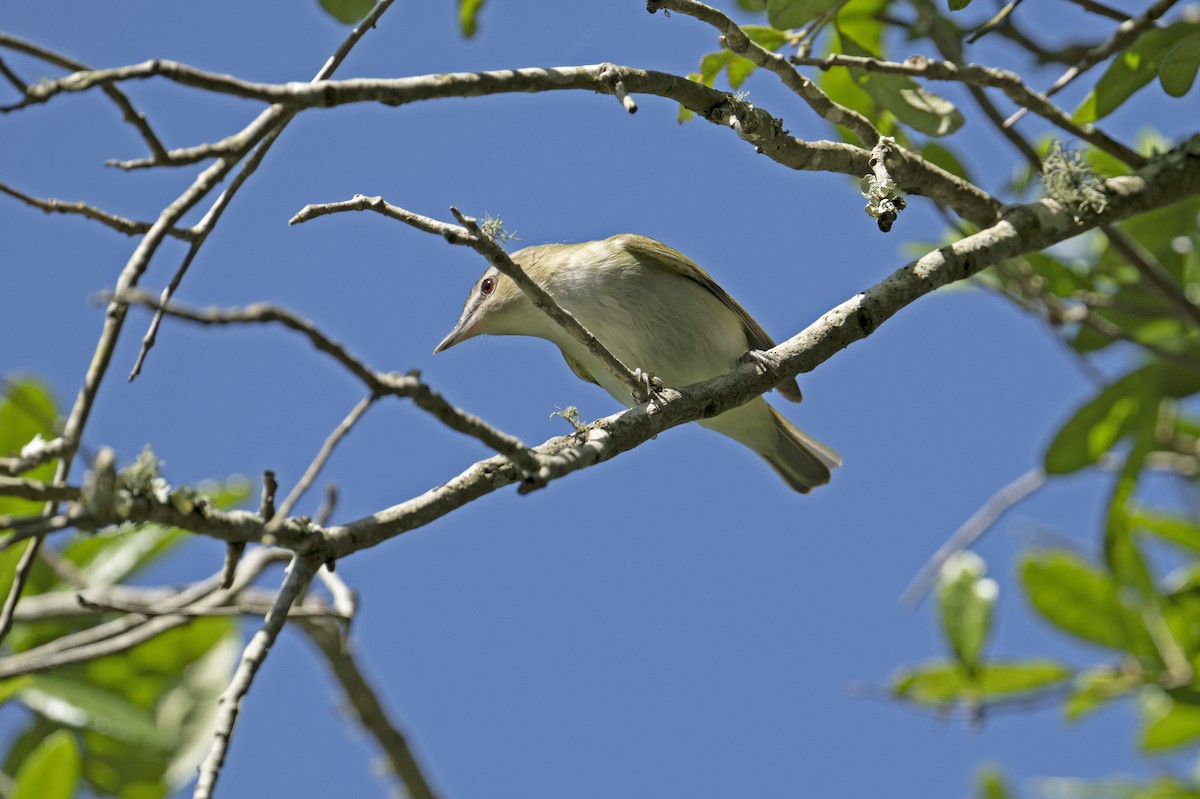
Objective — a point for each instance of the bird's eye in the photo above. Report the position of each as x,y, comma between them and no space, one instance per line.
487,286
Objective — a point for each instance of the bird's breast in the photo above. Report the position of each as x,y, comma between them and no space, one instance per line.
654,320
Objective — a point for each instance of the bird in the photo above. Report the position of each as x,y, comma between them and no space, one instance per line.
655,309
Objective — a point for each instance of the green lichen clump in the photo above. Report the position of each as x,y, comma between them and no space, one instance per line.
1072,183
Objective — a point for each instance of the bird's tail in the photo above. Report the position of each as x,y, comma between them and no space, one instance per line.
801,460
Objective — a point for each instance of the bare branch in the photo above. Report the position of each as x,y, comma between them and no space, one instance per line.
339,55
756,126
12,77
734,38
472,236
118,223
1026,228
128,112
36,490
314,468
379,383
45,453
128,631
1101,10
970,531
251,165
371,714
299,575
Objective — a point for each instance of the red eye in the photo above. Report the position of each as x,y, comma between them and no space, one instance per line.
487,286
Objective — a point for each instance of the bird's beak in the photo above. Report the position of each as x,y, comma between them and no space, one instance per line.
461,332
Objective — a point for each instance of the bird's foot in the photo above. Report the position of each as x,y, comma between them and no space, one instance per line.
766,361
648,385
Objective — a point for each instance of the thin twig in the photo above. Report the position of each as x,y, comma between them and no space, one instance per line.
250,603
1126,34
300,573
130,630
36,490
757,126
273,120
35,527
20,578
736,40
470,235
367,707
248,168
379,383
1101,10
314,468
36,457
12,77
996,21
1155,275
321,517
972,74
128,112
970,531
118,223
345,600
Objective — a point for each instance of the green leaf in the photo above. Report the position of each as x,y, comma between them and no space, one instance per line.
1057,278
965,600
712,64
1083,601
1120,551
1182,530
990,784
906,99
763,36
12,686
959,5
51,771
1132,69
27,409
1095,688
188,711
348,11
785,14
1098,424
74,703
468,13
1177,72
862,21
940,683
938,155
1168,724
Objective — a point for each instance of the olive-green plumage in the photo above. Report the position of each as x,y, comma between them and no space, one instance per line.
655,310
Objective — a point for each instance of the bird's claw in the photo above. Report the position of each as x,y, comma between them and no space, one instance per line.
764,359
648,384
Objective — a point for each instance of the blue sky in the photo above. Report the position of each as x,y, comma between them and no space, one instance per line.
672,623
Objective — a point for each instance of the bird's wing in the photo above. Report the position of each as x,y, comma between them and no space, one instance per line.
647,249
579,370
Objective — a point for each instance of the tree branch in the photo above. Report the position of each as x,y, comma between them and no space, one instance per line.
299,575
1127,32
118,223
379,383
736,40
973,75
128,112
330,641
1026,228
752,124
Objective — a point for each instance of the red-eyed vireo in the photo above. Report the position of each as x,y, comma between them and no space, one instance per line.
655,310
